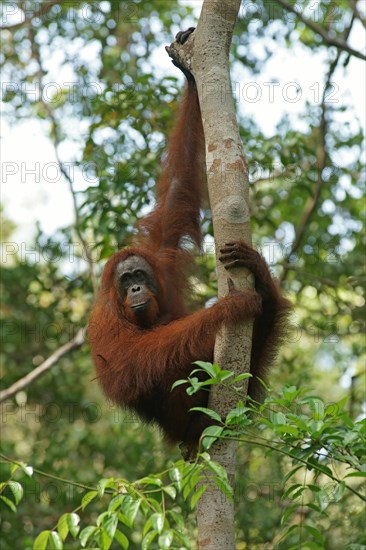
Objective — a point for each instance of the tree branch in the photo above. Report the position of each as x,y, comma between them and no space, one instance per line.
322,156
339,43
55,135
75,343
357,12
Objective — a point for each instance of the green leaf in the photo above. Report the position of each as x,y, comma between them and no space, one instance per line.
323,500
221,478
179,383
14,468
210,435
104,540
315,507
212,414
181,538
121,539
315,533
310,545
314,488
86,533
104,484
299,422
191,480
291,473
243,376
317,407
152,504
17,490
166,539
225,375
87,499
147,540
147,527
288,532
157,521
298,493
339,492
9,503
150,480
48,540
212,369
54,540
68,523
313,463
197,495
62,527
178,519
335,409
195,386
109,523
277,418
204,383
238,416
290,393
288,512
130,508
116,502
176,476
171,491
28,470
286,429
41,542
291,489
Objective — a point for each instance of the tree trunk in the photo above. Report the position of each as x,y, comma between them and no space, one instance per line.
207,56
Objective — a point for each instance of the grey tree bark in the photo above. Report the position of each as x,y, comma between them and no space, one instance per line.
206,55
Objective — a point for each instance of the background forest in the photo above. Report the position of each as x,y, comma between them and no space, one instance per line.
93,78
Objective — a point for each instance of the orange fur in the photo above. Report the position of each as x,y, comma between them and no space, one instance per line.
137,366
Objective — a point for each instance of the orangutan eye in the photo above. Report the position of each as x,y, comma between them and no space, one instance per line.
139,275
126,279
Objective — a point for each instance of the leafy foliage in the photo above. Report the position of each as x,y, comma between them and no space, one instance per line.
319,442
